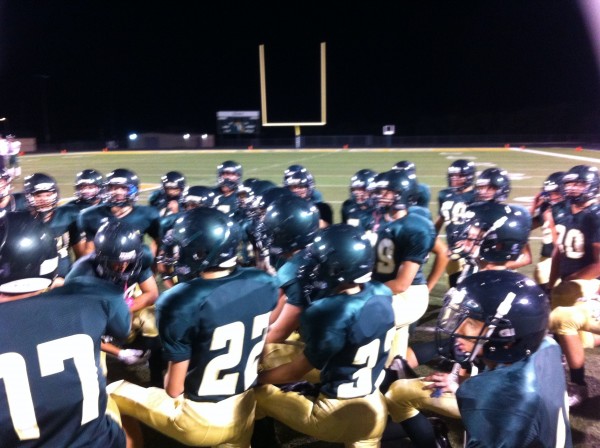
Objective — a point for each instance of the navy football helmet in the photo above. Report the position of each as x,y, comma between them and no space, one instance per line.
290,224
173,180
581,183
28,256
89,185
300,179
198,196
360,183
407,166
497,179
121,177
514,312
118,252
492,232
340,254
403,186
553,188
461,174
41,183
203,238
229,174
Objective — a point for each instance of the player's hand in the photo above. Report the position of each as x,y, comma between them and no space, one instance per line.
440,381
131,356
173,207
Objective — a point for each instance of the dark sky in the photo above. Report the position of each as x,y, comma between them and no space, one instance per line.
99,69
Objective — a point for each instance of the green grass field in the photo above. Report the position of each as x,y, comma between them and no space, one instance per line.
332,170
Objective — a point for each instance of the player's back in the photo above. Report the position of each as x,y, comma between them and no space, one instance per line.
223,321
522,404
54,391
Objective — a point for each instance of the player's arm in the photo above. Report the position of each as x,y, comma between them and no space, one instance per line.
439,222
554,267
287,373
175,377
524,259
148,296
440,250
404,278
287,321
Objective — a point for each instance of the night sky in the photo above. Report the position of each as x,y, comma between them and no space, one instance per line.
100,69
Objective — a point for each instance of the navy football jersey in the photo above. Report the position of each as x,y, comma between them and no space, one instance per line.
423,196
142,218
220,326
348,337
85,267
410,238
159,200
355,214
286,277
518,405
53,390
226,204
66,233
452,208
576,234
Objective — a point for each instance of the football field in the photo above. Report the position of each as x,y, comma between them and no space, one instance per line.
332,169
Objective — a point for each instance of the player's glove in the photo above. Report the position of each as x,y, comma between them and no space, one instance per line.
132,356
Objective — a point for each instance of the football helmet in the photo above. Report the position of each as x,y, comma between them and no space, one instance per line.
359,185
461,174
399,182
118,252
514,312
404,165
290,224
495,178
492,232
340,254
89,185
300,179
269,195
173,180
28,255
229,174
203,238
553,188
198,196
121,177
41,183
581,183
5,183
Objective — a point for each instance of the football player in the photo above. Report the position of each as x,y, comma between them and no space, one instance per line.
493,184
357,210
547,205
89,188
290,224
422,194
404,241
229,178
302,184
213,329
121,188
53,391
10,201
493,245
315,194
453,202
347,331
576,262
119,257
168,199
501,317
42,195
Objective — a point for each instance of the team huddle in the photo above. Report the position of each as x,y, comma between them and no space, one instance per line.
250,305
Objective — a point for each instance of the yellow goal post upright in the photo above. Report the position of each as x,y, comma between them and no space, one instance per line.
297,125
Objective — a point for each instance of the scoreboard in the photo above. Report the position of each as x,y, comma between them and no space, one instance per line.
238,122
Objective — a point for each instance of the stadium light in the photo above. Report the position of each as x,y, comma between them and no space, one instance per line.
186,136
204,136
133,136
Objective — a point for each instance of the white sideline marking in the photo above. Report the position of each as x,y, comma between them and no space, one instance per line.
562,156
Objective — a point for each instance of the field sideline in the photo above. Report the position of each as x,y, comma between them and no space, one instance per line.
332,169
